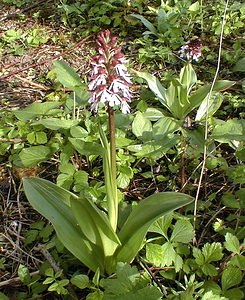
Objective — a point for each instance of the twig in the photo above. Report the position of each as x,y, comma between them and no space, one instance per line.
56,267
15,140
15,280
34,84
206,123
48,257
17,15
209,222
47,60
153,276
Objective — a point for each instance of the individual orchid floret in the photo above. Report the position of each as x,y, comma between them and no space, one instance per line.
192,50
109,78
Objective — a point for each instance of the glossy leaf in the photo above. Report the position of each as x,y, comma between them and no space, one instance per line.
142,216
31,156
142,127
86,148
197,97
188,77
164,126
147,24
214,104
155,86
66,75
56,123
53,203
232,129
36,109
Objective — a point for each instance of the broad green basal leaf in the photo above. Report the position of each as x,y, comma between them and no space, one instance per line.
53,203
214,103
95,225
165,126
188,77
142,127
198,96
142,216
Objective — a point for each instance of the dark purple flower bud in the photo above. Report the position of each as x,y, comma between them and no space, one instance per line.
192,50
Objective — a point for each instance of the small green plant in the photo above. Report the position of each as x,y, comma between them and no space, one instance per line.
16,41
55,283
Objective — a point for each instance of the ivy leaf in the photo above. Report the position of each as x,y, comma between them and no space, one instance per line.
168,254
235,293
154,254
161,225
97,295
142,127
183,232
129,285
230,277
81,281
212,252
232,243
199,258
209,270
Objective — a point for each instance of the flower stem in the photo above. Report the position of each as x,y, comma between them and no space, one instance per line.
112,141
114,213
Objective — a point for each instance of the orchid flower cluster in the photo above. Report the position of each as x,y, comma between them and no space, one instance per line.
192,50
109,77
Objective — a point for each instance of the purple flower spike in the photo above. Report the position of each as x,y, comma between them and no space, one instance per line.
109,78
192,50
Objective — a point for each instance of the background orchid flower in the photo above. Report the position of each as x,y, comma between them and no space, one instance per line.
192,49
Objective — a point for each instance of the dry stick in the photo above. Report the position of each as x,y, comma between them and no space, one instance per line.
161,287
15,140
206,122
47,60
209,222
15,280
55,267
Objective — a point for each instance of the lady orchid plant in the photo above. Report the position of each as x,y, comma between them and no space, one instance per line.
90,234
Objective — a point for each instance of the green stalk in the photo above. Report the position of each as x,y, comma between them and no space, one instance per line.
113,209
112,142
